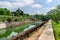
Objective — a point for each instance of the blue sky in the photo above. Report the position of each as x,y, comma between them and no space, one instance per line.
30,6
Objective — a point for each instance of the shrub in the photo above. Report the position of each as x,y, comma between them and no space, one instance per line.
9,19
16,19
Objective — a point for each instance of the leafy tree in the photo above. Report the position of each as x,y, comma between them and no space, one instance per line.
5,11
16,13
20,12
55,14
37,16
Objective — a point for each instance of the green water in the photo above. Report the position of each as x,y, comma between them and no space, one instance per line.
6,32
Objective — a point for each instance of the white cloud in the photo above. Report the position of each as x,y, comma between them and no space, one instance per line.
47,9
37,12
52,8
15,3
48,1
28,2
5,4
36,6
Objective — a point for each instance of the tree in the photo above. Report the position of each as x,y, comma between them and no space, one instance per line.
5,11
55,14
18,12
37,16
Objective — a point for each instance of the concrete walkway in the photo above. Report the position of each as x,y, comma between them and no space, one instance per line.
47,34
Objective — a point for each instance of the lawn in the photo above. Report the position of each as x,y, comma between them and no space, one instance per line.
56,28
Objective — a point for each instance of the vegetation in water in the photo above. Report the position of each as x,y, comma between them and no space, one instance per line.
14,29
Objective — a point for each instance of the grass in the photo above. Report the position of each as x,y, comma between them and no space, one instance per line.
56,28
14,29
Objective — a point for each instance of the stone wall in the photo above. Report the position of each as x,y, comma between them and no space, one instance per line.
2,25
13,24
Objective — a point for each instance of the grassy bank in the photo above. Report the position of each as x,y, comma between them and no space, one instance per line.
56,28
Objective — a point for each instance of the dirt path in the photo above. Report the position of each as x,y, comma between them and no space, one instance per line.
35,35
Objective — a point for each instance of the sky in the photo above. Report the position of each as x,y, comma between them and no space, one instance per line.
30,6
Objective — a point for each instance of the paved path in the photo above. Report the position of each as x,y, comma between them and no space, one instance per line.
47,34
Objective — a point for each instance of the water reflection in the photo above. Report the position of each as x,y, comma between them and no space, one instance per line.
3,31
12,35
3,38
31,26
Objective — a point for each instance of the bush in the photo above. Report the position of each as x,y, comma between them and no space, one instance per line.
9,19
16,19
